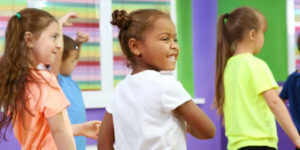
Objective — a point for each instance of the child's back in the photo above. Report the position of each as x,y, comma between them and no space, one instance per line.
142,112
248,119
245,88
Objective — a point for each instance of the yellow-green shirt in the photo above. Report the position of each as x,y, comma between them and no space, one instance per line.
248,119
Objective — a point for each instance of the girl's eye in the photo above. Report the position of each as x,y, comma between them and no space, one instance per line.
175,40
165,39
54,37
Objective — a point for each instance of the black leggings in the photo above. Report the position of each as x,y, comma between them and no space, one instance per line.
257,148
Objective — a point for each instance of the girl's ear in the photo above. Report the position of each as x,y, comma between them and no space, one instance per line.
252,34
134,46
28,38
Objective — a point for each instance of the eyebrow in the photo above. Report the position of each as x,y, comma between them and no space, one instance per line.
56,33
168,33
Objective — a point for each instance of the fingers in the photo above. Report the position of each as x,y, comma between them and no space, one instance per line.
65,20
82,37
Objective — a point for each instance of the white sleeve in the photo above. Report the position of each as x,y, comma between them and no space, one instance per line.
173,94
109,106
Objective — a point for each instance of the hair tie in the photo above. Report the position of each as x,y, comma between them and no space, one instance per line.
18,15
226,15
77,47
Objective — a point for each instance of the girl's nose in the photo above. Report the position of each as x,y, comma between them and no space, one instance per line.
59,47
174,45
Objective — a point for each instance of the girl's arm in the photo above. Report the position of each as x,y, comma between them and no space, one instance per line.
62,138
282,115
198,124
88,129
106,136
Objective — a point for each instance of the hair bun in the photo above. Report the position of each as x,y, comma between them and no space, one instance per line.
121,19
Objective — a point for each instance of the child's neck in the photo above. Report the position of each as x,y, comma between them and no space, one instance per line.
243,47
137,68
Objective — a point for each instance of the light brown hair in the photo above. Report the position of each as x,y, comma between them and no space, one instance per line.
14,65
231,29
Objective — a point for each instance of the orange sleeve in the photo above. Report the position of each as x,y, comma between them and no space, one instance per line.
55,100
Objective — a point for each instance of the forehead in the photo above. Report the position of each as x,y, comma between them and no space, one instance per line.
163,24
52,27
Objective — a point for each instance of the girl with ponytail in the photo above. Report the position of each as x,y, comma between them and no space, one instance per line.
30,99
245,89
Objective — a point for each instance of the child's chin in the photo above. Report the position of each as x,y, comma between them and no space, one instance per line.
169,69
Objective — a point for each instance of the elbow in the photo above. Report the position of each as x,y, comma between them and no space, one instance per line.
210,133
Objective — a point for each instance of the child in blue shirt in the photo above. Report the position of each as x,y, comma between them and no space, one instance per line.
291,92
65,63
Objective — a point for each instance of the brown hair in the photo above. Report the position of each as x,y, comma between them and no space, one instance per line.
231,29
14,65
134,25
69,44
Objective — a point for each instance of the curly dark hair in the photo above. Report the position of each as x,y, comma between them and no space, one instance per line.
134,25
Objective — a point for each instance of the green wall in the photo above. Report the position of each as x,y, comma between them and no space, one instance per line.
275,50
185,59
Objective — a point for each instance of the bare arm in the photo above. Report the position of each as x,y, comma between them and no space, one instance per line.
88,129
282,115
106,136
198,124
62,138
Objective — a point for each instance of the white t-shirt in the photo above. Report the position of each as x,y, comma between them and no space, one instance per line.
142,109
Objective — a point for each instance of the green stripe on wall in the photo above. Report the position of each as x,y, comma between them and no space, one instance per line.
185,59
275,48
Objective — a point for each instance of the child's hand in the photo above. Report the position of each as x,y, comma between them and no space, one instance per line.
65,20
91,129
297,142
82,37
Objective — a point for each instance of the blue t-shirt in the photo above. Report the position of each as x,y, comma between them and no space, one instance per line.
76,110
291,92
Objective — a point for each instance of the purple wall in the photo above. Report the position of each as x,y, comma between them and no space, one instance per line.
204,36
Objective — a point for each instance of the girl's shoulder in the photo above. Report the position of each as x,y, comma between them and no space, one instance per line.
251,60
43,74
44,77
